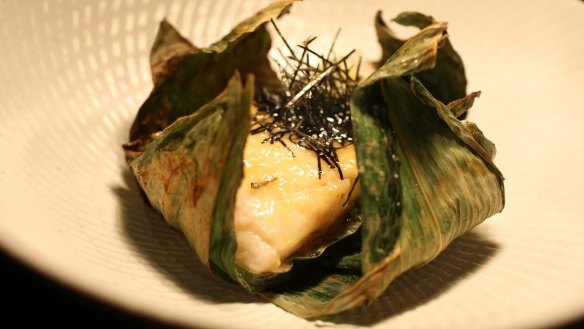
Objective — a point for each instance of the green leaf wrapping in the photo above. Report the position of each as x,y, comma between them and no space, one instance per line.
168,48
188,77
448,182
222,244
194,163
447,80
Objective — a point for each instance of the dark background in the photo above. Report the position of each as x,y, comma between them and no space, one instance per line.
30,300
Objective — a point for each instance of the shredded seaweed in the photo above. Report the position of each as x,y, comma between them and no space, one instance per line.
312,111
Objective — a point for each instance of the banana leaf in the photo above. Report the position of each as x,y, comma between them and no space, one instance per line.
187,77
196,163
447,80
425,178
168,48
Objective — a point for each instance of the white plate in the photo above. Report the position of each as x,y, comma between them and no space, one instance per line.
73,74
